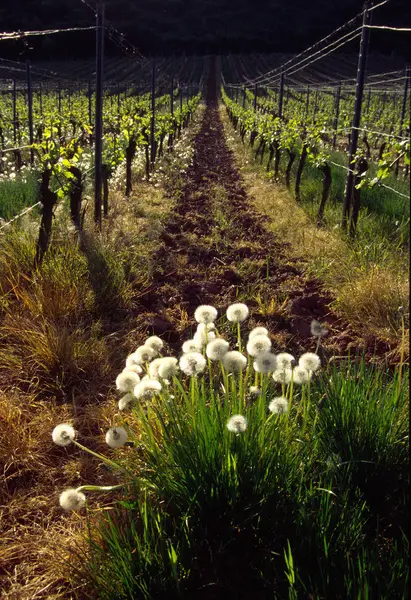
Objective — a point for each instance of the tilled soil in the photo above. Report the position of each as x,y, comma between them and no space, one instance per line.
217,245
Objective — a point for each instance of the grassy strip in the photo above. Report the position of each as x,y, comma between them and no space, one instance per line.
369,283
311,501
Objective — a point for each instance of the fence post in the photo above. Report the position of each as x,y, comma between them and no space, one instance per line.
153,110
30,104
255,98
359,90
280,99
244,96
172,96
14,112
98,147
307,102
404,100
337,114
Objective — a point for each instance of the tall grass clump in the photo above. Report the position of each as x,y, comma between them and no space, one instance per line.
249,472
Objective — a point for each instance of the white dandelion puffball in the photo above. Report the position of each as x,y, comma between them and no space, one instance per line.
168,367
116,437
278,405
205,314
135,368
153,368
155,343
127,381
63,434
217,348
204,334
254,391
237,424
133,361
234,361
301,375
147,388
257,331
318,330
310,362
266,362
192,346
285,360
125,401
258,344
71,499
236,313
192,363
145,353
282,376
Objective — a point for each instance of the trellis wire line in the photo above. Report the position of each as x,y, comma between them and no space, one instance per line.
20,215
378,5
342,27
289,71
329,52
123,42
15,35
388,27
386,81
379,183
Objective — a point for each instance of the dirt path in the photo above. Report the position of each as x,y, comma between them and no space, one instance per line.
216,247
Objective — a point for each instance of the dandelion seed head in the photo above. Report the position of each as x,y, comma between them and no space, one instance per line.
318,330
236,313
168,367
301,375
237,424
217,348
258,344
282,376
310,361
284,360
126,401
205,314
133,364
192,363
254,391
278,405
257,331
204,334
127,380
116,437
63,434
71,499
153,368
145,354
155,343
234,361
192,346
266,362
147,388
135,368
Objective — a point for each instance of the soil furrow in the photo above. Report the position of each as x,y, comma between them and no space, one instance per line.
216,246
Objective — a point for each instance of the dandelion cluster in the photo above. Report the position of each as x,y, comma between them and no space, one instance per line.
149,378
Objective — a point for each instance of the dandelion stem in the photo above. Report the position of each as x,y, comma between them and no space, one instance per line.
239,336
100,456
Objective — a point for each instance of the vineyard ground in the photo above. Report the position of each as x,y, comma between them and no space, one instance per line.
223,237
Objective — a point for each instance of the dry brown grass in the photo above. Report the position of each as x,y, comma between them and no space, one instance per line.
367,295
64,333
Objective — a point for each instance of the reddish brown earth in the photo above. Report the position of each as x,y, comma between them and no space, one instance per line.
191,270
